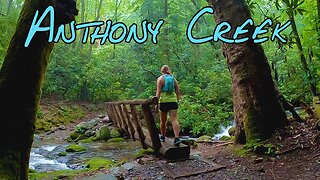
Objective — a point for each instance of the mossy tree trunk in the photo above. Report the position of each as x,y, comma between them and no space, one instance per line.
256,107
21,77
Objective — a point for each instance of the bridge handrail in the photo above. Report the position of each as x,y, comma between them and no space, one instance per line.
125,120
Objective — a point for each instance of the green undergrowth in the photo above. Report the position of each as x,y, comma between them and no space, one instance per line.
261,148
56,114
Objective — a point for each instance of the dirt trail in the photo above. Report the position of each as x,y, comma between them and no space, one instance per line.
297,158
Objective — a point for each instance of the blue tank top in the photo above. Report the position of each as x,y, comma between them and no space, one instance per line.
168,83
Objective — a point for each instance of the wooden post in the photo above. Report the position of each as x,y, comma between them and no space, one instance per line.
152,128
116,116
137,125
123,119
127,117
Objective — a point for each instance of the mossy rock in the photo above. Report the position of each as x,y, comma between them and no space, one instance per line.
32,171
116,140
74,135
88,140
143,152
99,163
232,131
114,133
225,138
102,134
62,153
75,148
84,126
204,138
69,139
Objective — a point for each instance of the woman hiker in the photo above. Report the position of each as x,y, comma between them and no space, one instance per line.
168,93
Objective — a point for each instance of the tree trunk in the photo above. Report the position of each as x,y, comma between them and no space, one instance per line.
312,82
256,107
21,77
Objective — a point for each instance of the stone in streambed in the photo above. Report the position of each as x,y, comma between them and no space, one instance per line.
84,126
75,148
103,133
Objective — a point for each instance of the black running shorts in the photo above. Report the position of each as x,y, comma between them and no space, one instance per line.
166,107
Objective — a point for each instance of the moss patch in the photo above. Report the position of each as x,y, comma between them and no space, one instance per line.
62,174
225,138
56,114
88,140
99,163
143,152
62,153
75,148
258,148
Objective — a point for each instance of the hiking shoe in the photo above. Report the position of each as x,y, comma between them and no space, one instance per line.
162,138
176,141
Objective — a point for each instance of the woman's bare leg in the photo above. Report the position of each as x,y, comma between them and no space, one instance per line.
175,123
163,123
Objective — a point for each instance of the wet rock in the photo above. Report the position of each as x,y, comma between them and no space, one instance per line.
89,133
62,153
232,130
129,166
75,148
103,133
84,126
114,133
118,171
106,119
74,135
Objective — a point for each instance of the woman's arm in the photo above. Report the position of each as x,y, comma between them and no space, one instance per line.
177,89
159,86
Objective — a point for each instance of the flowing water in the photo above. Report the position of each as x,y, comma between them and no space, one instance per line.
45,157
223,132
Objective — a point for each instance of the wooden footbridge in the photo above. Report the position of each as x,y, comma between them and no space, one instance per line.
137,120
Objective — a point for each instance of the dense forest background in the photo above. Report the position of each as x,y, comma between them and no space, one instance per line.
129,71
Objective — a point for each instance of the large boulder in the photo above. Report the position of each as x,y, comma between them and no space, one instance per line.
84,126
103,133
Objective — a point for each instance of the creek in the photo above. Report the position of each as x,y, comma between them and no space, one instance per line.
45,157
